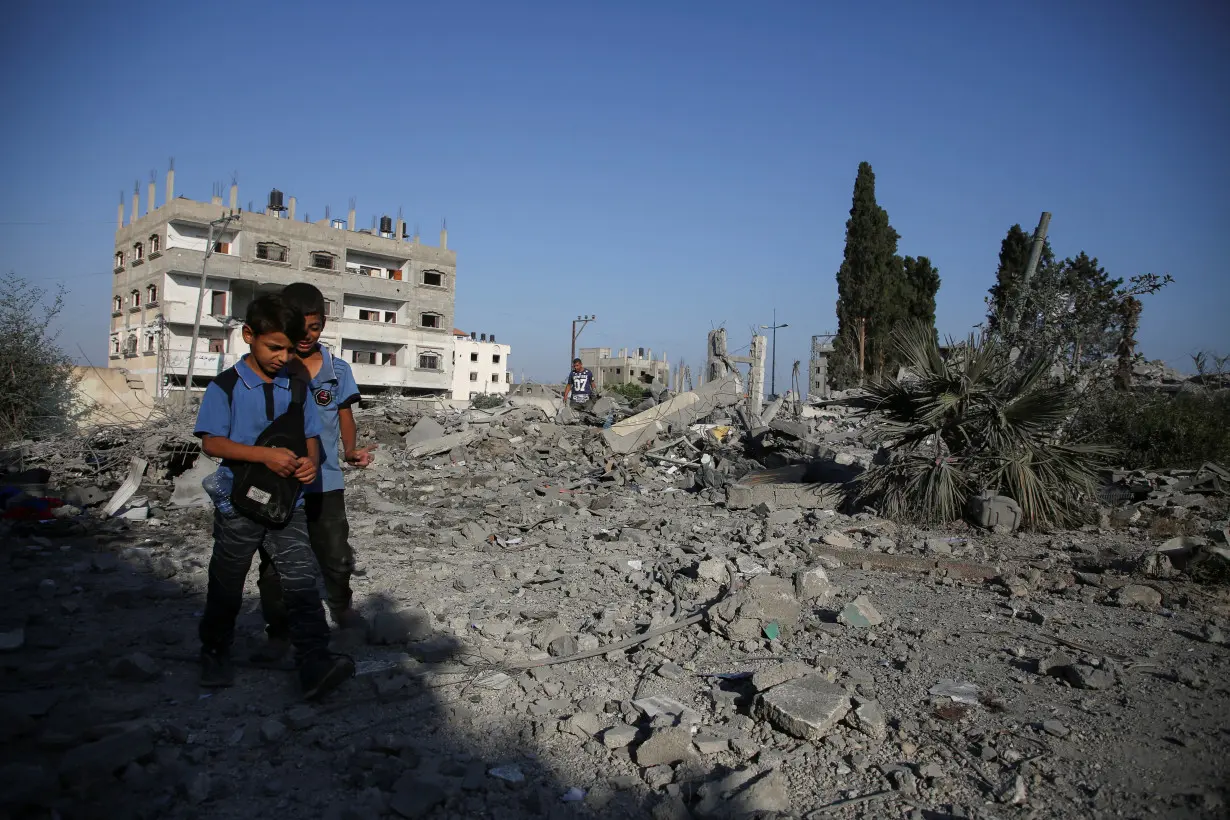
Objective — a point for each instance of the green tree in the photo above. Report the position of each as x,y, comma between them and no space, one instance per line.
923,283
870,284
1005,294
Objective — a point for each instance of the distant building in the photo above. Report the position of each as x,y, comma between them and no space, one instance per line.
638,368
389,298
480,365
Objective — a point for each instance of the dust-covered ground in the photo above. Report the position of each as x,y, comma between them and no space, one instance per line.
830,666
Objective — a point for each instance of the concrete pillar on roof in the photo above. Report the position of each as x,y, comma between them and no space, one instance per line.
149,203
444,236
290,209
136,203
170,183
350,220
119,221
234,195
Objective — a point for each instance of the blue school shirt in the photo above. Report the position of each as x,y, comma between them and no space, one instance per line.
333,389
246,413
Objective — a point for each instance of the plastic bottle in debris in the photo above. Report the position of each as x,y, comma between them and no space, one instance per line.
219,488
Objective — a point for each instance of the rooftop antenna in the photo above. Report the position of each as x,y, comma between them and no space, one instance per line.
171,164
235,179
352,203
153,177
327,214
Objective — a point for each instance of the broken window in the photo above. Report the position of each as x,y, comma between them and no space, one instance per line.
115,345
473,376
395,274
474,356
507,378
430,320
429,361
117,305
217,345
155,243
151,294
130,345
119,259
149,343
363,357
369,315
271,251
495,358
330,308
222,247
389,359
217,303
433,277
390,316
135,298
138,252
495,377
322,260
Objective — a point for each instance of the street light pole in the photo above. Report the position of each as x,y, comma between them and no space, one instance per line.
773,373
584,320
220,224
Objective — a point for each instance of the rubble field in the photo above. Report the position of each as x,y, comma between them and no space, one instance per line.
561,629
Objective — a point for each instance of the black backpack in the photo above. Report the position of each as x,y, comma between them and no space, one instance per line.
259,493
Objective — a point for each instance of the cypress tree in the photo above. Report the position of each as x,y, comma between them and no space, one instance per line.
870,283
923,280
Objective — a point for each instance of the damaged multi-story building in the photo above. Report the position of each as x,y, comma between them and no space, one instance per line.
635,366
390,298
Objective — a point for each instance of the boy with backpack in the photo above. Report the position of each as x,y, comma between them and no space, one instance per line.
333,391
238,408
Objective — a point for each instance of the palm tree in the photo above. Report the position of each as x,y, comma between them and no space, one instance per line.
976,421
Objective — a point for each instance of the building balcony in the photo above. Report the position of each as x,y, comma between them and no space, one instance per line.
134,308
186,260
376,375
372,331
182,313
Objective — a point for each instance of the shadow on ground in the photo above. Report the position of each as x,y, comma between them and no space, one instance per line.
101,715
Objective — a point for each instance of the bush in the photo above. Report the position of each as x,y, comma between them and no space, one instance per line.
634,393
37,381
970,423
1157,431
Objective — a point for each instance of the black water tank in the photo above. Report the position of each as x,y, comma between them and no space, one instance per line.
386,224
493,338
483,338
275,200
405,230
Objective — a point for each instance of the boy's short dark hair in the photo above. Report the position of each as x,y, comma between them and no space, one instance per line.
305,298
270,313
577,361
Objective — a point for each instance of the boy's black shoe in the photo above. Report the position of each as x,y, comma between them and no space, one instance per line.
217,672
321,673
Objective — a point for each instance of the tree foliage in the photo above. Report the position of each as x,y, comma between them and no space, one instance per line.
36,381
970,423
1071,312
876,289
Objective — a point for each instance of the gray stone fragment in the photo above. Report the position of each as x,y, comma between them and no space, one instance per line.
399,626
618,736
672,671
1054,728
813,586
783,517
136,667
301,717
667,745
1138,596
710,744
562,646
414,796
426,429
765,795
778,673
860,613
1085,676
868,717
272,730
107,755
837,539
807,708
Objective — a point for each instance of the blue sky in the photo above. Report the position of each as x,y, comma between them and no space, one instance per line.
667,166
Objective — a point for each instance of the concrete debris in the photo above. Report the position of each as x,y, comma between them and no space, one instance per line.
807,708
658,632
860,613
994,512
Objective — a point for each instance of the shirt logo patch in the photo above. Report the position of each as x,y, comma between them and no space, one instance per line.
324,397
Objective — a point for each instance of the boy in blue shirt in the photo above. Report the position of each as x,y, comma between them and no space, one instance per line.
236,408
333,392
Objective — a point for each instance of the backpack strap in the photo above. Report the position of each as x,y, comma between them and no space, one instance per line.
227,380
298,391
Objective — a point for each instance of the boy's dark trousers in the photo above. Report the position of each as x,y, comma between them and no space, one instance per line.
236,540
329,535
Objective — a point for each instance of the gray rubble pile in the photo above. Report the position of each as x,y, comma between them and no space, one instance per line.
560,629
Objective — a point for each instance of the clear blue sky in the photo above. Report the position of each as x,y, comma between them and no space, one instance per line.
668,166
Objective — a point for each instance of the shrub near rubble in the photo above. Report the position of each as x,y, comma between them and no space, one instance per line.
36,382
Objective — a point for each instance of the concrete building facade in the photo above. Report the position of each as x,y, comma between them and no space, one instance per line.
390,299
637,366
479,365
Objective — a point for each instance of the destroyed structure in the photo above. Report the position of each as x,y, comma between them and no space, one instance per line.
665,610
624,367
390,297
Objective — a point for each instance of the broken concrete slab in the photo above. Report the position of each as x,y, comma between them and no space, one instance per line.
189,492
442,444
782,488
674,414
672,744
425,429
765,600
807,708
860,613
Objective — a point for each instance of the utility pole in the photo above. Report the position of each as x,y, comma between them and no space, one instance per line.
1035,254
584,320
220,225
773,372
